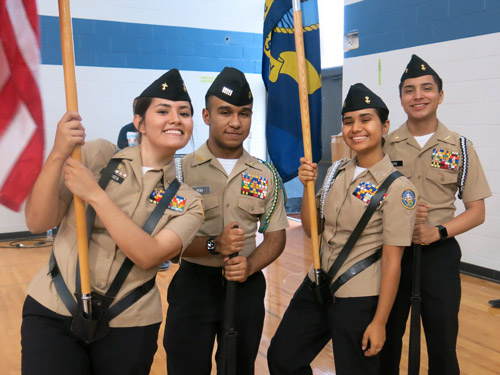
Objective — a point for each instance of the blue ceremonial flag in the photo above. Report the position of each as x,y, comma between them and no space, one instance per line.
280,75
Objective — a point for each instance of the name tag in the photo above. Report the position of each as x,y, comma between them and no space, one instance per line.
202,189
397,163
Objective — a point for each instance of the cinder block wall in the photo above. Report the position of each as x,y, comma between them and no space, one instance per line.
461,40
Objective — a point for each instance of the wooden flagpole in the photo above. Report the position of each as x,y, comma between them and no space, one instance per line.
68,60
306,131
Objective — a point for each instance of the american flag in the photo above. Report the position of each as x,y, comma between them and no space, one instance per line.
21,119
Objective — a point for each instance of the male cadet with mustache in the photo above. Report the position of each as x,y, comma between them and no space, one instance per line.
439,163
238,191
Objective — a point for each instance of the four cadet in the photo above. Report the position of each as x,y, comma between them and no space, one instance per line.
51,341
439,162
239,192
359,296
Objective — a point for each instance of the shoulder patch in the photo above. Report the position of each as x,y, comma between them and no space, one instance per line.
409,199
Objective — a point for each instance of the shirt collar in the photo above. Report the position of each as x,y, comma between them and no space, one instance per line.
134,155
378,171
204,155
442,134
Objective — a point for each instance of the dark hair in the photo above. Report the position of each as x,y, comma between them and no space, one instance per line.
207,99
383,114
437,80
142,105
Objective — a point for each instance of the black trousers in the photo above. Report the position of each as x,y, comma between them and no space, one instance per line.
50,348
196,299
441,292
308,326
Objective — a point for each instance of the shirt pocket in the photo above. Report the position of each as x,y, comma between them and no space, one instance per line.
210,203
442,184
213,220
441,177
251,206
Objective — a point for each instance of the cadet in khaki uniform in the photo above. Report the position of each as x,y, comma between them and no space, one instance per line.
438,162
238,192
355,321
163,116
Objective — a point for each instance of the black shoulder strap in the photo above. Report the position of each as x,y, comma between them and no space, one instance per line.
127,264
59,283
148,227
355,269
374,202
106,175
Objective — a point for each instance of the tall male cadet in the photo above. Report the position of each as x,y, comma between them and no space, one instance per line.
239,191
439,163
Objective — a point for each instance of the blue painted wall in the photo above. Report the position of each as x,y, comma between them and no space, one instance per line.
386,25
131,45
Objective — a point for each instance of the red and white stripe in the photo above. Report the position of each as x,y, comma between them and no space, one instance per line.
21,118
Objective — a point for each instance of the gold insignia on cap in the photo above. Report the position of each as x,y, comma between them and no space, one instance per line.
164,86
249,95
406,70
423,67
344,104
184,87
367,100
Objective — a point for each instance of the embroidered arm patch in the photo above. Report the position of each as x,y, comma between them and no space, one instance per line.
409,199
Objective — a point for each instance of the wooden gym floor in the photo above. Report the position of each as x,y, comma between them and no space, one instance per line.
478,342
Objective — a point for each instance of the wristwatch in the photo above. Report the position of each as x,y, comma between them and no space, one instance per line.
443,233
211,245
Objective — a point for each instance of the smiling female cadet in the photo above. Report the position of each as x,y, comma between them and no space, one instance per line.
163,116
354,319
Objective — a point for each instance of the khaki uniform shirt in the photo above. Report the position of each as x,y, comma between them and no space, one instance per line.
230,198
434,169
391,223
132,195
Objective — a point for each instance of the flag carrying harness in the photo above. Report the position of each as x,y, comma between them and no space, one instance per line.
90,330
325,291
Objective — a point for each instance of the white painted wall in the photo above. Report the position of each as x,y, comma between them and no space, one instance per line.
471,107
